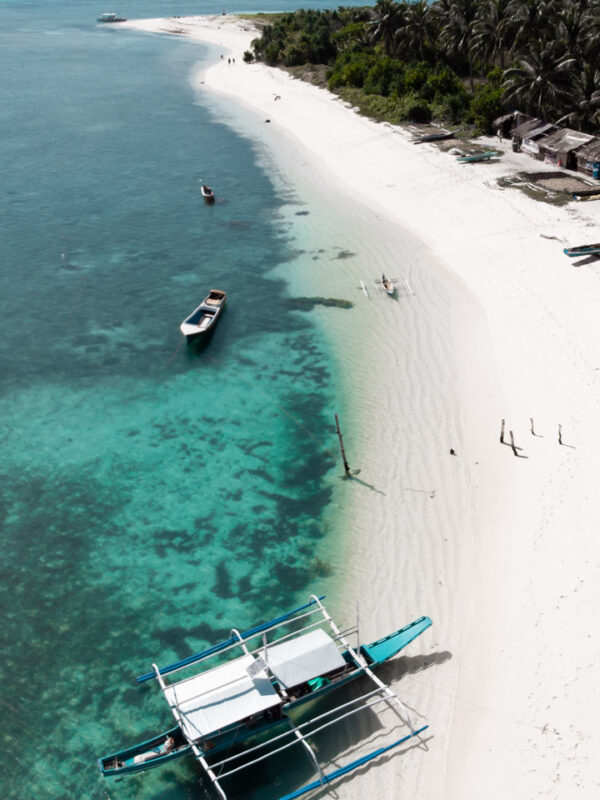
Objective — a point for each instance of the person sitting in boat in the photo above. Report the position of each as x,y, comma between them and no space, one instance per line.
168,745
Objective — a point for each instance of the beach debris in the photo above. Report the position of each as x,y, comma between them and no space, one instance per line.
339,433
502,432
560,441
452,451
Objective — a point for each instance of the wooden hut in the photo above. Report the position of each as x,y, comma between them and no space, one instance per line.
531,142
588,158
561,147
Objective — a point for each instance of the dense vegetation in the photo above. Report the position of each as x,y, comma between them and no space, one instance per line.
452,60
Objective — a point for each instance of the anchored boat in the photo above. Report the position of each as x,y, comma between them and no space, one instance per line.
204,317
249,699
207,194
110,16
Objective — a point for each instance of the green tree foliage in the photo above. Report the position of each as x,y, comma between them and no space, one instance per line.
458,60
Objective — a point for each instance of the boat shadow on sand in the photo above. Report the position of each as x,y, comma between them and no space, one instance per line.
350,740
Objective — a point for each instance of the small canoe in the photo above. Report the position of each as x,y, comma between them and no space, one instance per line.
204,317
582,250
145,755
434,137
207,194
388,285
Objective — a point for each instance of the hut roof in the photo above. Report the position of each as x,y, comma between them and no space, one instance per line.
565,140
526,125
544,128
591,151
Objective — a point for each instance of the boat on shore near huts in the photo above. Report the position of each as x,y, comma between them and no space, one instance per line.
204,317
582,250
229,715
469,158
110,16
434,137
207,194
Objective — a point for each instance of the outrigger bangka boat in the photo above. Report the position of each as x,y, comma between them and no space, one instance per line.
252,695
204,316
110,16
388,285
582,250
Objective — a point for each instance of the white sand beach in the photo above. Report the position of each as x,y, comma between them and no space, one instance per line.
492,321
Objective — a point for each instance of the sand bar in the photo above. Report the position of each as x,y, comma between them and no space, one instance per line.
505,555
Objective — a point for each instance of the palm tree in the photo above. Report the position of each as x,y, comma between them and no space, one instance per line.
584,99
492,30
540,81
457,32
533,21
388,18
417,28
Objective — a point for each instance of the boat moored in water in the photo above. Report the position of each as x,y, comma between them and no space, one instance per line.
388,285
110,16
204,317
207,194
245,705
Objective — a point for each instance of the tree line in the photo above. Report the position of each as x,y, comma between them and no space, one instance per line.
452,60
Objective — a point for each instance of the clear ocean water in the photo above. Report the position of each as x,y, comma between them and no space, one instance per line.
152,495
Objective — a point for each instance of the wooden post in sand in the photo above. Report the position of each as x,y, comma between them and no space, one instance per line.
339,433
502,432
512,443
560,434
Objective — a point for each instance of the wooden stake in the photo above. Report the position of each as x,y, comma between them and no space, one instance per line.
533,433
560,434
339,433
502,432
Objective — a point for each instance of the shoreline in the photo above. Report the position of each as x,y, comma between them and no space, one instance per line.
504,555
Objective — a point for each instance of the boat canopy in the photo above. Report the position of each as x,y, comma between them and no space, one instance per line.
212,700
299,660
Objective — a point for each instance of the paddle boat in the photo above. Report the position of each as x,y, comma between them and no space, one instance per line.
205,316
469,158
582,250
249,699
110,16
207,194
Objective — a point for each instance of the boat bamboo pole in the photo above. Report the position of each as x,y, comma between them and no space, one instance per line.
339,433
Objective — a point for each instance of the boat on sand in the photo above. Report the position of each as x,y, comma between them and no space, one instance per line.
582,250
204,316
470,158
240,712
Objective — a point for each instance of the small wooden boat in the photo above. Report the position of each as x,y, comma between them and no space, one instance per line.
207,194
110,16
151,753
204,317
472,157
434,137
228,714
582,250
388,285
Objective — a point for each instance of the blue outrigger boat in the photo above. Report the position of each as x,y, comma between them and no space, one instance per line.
251,697
583,250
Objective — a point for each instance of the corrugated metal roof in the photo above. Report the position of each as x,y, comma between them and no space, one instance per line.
530,124
564,140
591,151
547,127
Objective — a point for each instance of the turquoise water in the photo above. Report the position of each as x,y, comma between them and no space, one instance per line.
152,495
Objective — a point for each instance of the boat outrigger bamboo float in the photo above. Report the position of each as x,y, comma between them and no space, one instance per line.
252,696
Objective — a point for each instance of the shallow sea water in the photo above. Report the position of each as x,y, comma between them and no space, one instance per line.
153,495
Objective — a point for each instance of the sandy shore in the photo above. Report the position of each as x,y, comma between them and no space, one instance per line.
502,551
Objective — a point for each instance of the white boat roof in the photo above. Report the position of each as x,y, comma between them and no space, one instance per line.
299,660
217,698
